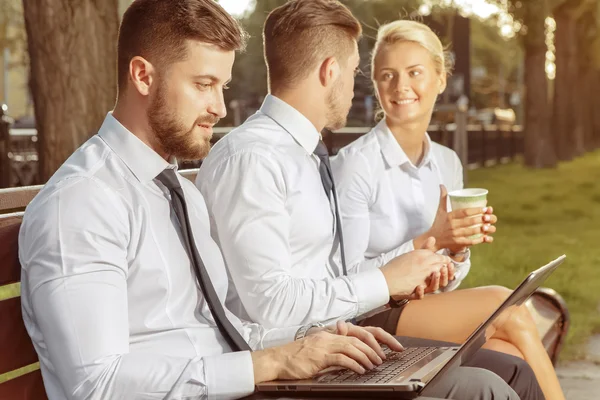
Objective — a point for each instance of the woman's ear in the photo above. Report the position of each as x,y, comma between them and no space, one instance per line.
443,82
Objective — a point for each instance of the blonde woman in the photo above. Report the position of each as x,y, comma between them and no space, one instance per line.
392,185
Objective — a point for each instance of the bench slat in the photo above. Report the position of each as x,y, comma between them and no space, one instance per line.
26,387
10,272
544,313
189,174
15,345
17,198
552,318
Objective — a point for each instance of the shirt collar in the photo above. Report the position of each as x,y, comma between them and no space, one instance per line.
143,162
293,121
391,150
428,158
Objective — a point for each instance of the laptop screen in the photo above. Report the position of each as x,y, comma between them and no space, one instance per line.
517,297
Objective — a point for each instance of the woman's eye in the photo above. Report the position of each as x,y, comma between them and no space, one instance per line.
203,86
415,73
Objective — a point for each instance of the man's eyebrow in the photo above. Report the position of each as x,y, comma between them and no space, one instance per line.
211,77
206,76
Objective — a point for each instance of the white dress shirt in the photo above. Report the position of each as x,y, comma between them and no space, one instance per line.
110,299
386,201
275,225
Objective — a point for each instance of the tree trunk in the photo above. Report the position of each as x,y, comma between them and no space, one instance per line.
585,111
566,125
73,48
586,32
539,151
595,105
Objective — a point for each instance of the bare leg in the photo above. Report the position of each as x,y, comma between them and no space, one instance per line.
503,346
456,314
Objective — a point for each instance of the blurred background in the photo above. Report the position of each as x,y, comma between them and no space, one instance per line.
530,67
520,110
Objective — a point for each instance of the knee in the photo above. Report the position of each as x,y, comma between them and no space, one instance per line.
521,320
491,386
523,380
496,294
471,383
514,371
516,319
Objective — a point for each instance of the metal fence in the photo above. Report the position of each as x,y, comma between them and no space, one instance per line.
486,145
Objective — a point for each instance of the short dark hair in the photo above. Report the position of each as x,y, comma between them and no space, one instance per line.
302,33
158,29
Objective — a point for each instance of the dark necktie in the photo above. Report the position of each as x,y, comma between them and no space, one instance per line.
329,186
169,178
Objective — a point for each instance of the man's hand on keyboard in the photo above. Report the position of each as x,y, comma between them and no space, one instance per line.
370,335
306,357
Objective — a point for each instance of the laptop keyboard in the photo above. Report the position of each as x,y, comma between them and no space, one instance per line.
395,363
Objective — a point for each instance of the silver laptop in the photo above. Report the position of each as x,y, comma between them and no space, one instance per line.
406,374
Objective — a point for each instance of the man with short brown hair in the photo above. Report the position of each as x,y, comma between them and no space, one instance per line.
312,31
272,200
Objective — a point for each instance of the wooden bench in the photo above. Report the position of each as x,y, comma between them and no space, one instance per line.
20,377
15,346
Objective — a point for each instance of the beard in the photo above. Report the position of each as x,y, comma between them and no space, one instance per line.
336,113
171,134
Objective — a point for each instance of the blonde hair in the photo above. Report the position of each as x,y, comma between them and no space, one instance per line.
416,32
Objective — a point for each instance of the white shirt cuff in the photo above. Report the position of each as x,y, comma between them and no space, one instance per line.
458,264
371,290
461,270
229,375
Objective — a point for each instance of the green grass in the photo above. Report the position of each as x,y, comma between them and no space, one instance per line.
541,215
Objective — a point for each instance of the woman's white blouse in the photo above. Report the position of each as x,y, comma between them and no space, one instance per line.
386,201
